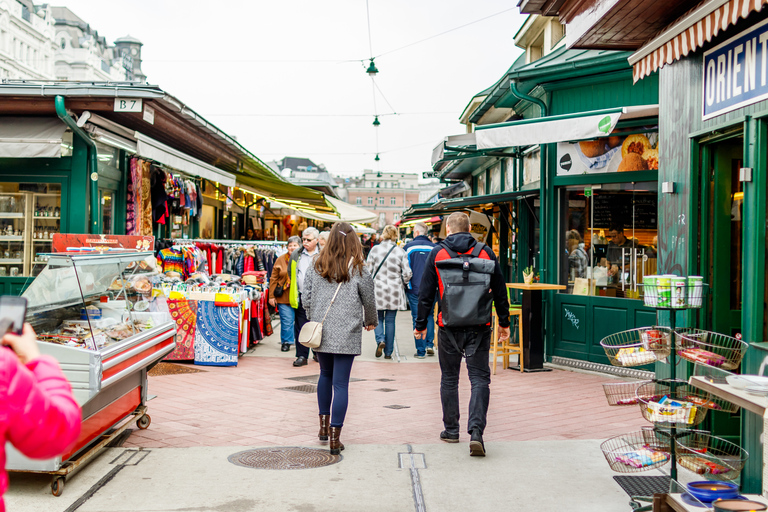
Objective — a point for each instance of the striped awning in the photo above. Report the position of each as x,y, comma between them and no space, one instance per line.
690,32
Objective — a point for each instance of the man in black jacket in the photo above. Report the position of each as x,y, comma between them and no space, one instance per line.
472,342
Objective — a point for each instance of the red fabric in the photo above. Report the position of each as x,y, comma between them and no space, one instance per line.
443,255
219,259
248,265
38,413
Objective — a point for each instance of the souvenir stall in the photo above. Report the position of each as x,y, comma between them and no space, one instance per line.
209,286
89,311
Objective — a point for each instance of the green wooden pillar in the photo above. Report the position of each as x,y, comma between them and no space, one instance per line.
753,292
78,198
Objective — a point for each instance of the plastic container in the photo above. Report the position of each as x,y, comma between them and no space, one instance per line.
707,492
93,314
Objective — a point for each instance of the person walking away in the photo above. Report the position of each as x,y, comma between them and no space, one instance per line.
38,414
301,260
388,265
281,279
464,315
339,292
417,251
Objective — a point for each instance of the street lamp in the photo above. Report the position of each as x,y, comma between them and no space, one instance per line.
372,69
376,121
377,157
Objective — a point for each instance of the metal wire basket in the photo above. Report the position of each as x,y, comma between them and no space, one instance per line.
638,347
712,457
710,348
679,407
622,393
637,451
674,292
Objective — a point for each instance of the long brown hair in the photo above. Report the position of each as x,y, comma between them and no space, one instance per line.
342,253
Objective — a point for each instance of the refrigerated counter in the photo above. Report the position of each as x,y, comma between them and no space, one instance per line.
90,313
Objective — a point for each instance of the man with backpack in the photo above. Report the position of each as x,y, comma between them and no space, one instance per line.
418,251
467,279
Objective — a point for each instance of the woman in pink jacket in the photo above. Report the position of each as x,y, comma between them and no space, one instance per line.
38,413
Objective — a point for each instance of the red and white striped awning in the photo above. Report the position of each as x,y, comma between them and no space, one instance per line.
690,32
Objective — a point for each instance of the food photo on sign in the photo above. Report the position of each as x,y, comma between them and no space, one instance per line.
615,153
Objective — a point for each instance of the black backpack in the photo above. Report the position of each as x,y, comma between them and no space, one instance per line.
467,298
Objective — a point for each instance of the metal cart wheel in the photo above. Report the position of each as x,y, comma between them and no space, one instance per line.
57,486
144,422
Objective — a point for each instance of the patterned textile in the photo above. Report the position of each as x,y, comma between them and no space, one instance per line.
171,261
392,277
217,334
184,313
130,217
146,199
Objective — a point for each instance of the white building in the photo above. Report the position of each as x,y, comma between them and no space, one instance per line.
26,41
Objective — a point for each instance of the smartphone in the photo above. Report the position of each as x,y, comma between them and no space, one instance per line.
13,311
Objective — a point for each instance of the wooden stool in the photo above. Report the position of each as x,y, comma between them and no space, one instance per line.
507,347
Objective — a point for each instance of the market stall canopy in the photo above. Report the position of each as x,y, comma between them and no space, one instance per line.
273,187
148,147
31,137
444,206
362,230
350,213
562,128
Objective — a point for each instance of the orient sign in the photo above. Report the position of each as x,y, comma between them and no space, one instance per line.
736,72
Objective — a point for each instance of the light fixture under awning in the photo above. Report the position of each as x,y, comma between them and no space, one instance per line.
562,128
452,141
148,147
31,137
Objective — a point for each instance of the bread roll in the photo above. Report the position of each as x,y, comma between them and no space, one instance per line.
633,162
592,148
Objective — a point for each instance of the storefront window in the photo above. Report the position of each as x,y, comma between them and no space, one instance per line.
107,212
481,183
30,214
609,238
495,179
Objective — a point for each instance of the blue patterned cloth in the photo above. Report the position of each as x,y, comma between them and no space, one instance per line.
216,337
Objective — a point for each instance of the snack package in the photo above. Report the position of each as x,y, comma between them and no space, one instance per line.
643,457
699,355
633,356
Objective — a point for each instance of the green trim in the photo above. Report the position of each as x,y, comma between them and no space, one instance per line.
591,80
463,202
604,178
732,123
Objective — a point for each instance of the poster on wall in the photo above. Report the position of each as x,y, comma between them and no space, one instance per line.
479,226
617,153
67,242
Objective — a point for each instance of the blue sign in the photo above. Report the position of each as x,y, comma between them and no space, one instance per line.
736,72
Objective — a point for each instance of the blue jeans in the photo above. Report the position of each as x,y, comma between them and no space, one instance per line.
421,345
385,331
333,385
286,323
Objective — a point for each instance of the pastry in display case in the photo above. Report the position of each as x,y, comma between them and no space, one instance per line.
91,312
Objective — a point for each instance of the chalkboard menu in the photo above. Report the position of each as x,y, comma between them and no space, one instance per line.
610,208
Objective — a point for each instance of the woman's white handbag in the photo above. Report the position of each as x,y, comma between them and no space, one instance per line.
311,334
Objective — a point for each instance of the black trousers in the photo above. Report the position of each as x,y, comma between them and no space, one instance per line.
298,323
451,350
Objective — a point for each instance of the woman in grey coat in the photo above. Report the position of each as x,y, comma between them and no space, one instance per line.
393,275
340,266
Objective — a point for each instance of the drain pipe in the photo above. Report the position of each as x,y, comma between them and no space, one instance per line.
542,174
93,162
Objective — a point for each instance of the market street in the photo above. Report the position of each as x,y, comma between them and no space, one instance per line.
543,437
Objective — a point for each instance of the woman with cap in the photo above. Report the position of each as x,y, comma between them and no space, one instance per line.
338,291
281,277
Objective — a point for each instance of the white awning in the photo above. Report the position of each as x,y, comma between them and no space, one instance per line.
351,213
31,137
463,139
563,128
154,150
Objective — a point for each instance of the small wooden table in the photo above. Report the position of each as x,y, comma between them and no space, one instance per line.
533,334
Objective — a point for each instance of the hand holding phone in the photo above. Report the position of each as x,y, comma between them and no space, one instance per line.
25,345
13,310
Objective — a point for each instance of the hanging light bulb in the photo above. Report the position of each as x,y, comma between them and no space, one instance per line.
377,157
372,69
376,121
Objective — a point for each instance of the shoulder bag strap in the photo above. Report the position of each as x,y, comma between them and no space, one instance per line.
382,261
331,304
451,252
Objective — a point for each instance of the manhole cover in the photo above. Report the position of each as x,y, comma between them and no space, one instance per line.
171,369
304,388
314,378
289,457
386,390
397,406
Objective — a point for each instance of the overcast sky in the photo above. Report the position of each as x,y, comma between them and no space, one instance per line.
285,76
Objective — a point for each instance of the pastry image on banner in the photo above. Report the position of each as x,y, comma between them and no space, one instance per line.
615,153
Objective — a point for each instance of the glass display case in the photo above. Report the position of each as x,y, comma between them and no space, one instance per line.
91,313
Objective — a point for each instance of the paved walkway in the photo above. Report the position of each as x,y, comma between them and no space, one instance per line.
254,403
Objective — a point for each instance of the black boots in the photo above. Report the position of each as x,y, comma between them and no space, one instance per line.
336,445
476,444
325,420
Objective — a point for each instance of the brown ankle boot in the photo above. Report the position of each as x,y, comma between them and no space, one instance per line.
336,445
325,420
